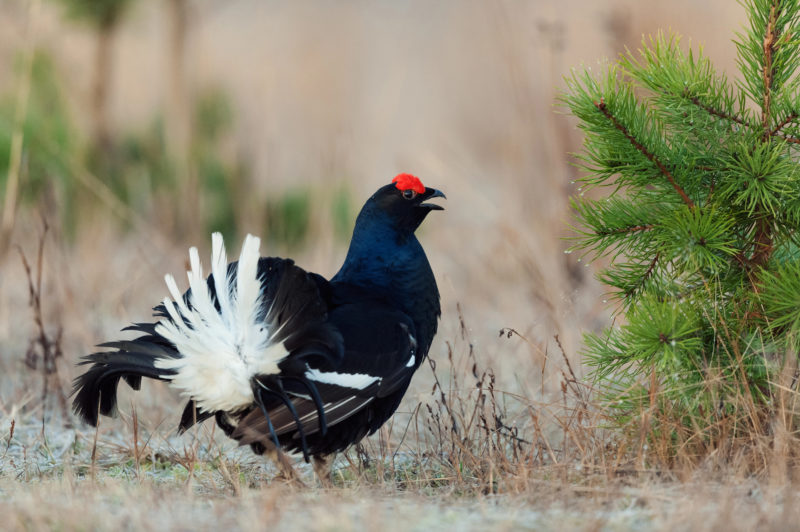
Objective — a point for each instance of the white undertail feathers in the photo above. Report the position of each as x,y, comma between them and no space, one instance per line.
221,350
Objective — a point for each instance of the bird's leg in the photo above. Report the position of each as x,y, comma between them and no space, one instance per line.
287,473
323,467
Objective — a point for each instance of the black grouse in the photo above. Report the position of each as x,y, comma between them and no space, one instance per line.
283,358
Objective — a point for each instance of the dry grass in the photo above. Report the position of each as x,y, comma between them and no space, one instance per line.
469,449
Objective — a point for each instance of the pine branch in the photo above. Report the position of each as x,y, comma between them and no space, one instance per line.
603,108
715,112
790,140
645,277
770,40
783,123
621,230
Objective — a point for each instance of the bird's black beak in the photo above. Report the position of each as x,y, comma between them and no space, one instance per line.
431,193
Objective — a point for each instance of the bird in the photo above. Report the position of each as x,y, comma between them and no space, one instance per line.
283,359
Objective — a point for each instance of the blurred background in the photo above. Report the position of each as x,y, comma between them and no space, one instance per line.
134,128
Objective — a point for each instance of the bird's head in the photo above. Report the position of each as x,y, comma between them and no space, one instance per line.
383,244
405,202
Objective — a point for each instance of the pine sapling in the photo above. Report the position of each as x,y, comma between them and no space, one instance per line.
695,205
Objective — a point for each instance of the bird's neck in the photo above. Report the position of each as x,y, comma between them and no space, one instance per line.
380,258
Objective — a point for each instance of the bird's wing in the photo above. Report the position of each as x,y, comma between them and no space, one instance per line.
380,356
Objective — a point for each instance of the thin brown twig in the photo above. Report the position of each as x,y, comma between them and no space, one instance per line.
136,456
646,275
573,381
783,123
223,467
93,468
10,436
566,358
631,229
716,112
711,190
405,432
603,108
42,345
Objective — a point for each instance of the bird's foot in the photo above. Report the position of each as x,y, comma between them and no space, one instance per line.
322,468
287,473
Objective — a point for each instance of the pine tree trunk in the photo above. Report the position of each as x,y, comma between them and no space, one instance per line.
763,237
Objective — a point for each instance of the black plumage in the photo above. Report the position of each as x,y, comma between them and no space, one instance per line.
282,356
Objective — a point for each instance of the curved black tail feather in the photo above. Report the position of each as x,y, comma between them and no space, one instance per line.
192,414
96,390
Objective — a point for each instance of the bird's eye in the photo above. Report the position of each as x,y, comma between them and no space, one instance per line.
409,194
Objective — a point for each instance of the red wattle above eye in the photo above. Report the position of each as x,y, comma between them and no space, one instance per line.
408,182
